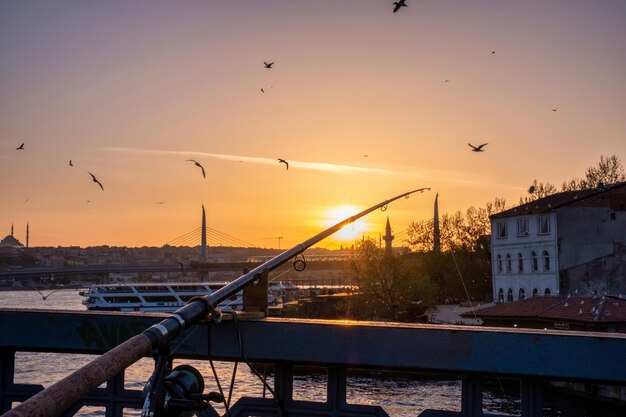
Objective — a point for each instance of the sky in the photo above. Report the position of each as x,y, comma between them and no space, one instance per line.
363,103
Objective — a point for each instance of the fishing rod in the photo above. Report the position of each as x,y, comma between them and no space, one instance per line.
56,398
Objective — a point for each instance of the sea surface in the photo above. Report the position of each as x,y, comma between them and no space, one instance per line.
399,396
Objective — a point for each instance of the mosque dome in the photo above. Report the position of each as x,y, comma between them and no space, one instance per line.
10,242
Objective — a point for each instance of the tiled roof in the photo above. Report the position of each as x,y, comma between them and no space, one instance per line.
549,203
577,308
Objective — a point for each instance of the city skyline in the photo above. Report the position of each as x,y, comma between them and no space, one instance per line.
111,100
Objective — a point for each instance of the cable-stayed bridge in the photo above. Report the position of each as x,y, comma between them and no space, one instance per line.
204,238
214,238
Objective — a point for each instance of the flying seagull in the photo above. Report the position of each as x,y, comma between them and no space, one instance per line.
493,52
555,109
45,297
399,4
268,65
478,148
20,148
282,161
71,164
160,202
198,165
262,90
93,177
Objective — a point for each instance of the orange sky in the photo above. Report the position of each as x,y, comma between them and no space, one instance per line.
357,102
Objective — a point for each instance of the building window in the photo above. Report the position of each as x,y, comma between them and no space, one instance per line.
520,263
546,260
500,295
547,291
508,263
522,294
522,227
509,296
535,292
501,229
499,263
534,261
544,225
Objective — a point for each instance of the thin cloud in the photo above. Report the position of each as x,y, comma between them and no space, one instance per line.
436,175
314,166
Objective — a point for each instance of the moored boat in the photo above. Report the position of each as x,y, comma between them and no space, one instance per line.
152,297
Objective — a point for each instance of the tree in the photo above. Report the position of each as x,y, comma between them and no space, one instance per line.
609,170
538,190
389,284
458,231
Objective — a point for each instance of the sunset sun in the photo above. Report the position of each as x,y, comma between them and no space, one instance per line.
349,232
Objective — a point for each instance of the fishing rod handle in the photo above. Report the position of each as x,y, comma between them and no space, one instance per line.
53,400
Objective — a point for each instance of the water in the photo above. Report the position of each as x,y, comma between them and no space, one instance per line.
400,397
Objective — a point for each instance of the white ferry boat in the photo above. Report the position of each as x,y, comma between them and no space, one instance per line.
153,297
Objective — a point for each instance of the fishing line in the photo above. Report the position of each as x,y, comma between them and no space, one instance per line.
463,282
232,382
254,371
471,306
287,271
217,380
184,340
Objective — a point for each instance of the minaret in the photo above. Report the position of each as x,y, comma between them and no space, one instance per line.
11,229
26,234
204,252
388,237
436,233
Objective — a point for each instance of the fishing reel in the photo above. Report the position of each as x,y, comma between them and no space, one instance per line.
177,392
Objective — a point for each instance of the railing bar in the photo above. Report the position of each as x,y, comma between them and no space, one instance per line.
471,397
532,398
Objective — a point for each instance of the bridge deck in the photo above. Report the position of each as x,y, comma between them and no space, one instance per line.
467,353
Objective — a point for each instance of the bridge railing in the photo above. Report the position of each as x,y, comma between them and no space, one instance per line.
469,354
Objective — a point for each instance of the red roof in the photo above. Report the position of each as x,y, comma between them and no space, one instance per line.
576,308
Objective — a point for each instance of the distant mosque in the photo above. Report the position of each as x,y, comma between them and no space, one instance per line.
388,237
10,245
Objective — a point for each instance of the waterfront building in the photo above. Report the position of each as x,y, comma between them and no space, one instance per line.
569,242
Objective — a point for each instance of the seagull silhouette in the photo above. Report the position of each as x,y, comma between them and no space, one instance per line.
552,110
93,177
478,148
71,164
282,161
399,4
198,165
262,90
160,202
268,65
20,148
493,52
45,297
